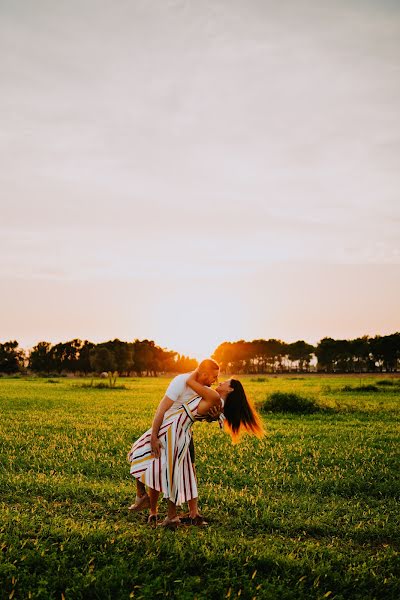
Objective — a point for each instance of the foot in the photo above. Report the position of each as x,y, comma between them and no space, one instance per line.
197,521
141,502
170,523
152,520
186,517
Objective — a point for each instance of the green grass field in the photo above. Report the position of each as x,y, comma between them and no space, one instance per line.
310,511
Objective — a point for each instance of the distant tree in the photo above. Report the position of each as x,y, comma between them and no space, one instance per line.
58,353
150,359
123,353
241,357
83,362
102,359
258,356
71,355
360,354
385,351
182,364
231,356
326,353
300,352
11,357
40,358
65,356
223,355
343,357
143,354
161,360
275,350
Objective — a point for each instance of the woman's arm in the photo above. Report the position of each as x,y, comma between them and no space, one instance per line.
208,394
164,405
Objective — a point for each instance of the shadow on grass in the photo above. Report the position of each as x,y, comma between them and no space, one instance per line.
100,386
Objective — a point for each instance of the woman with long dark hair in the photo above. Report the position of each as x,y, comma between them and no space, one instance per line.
240,415
172,471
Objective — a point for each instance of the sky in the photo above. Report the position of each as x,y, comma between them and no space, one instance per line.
193,172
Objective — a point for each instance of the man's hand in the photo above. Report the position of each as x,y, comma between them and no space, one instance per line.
156,446
213,414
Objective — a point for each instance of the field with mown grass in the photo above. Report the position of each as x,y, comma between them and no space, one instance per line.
309,512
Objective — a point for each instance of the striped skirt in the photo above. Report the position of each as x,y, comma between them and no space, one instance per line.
172,473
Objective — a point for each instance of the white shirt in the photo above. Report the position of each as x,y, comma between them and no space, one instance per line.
178,391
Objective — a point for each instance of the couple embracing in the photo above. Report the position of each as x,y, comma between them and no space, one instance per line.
162,459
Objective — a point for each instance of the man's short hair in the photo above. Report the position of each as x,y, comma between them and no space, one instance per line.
208,365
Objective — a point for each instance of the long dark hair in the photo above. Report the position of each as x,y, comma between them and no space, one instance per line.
240,414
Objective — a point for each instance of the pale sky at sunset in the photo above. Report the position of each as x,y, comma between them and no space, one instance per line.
199,171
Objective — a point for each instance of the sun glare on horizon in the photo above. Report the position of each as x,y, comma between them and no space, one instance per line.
200,351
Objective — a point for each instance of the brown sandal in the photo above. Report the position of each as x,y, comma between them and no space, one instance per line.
141,502
197,521
152,520
170,523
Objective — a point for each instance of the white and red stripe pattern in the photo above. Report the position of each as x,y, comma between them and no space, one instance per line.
173,472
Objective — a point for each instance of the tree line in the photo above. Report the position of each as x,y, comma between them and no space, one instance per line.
360,355
141,357
144,357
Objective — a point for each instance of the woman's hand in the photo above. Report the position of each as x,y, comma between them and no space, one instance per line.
156,446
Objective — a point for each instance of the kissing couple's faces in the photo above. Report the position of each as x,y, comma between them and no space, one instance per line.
225,386
209,377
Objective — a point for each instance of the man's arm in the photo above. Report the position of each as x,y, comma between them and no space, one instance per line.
174,390
164,405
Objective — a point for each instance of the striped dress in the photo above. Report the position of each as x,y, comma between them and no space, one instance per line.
172,473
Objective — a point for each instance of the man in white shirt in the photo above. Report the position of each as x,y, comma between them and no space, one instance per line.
178,392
